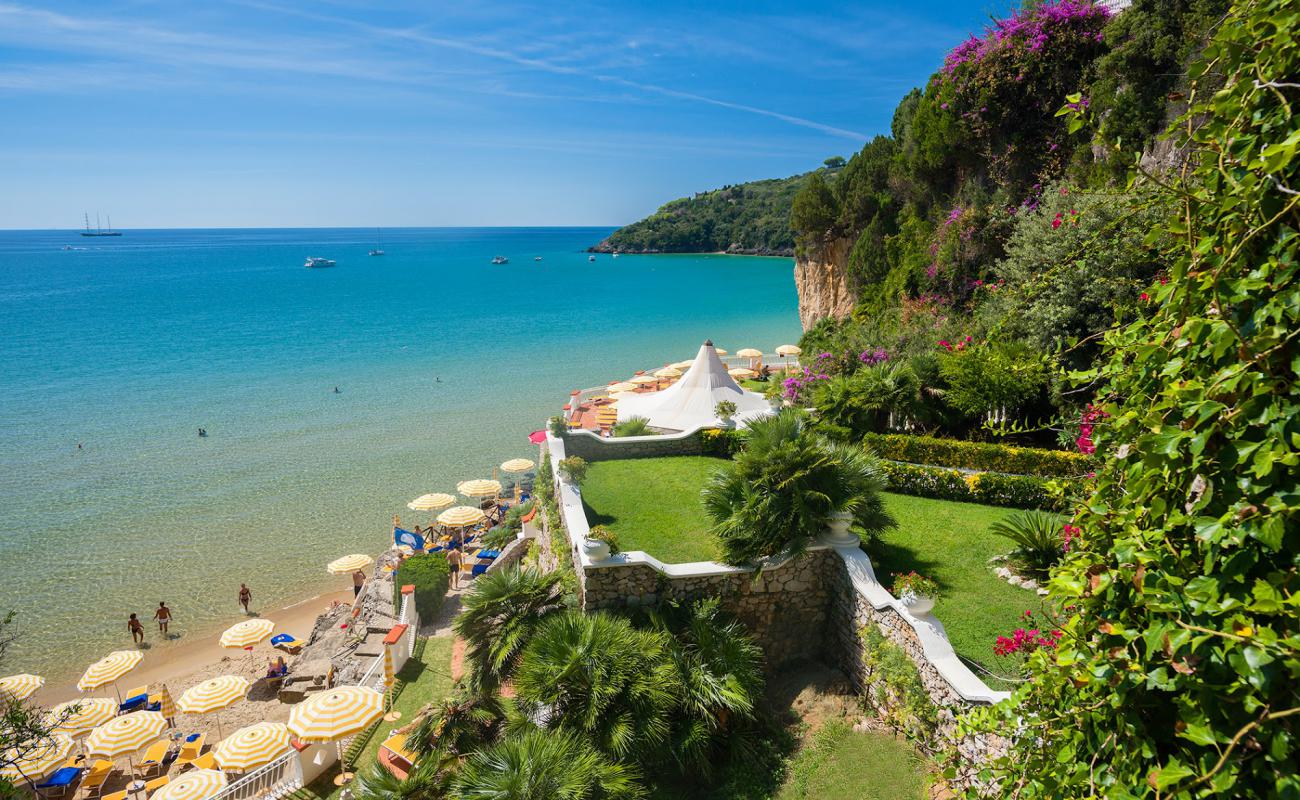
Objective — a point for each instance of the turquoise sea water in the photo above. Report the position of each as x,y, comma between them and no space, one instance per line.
444,364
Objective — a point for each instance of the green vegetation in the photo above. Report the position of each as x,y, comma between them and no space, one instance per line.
1038,541
988,488
781,489
749,218
839,764
960,454
952,543
499,618
430,575
1177,669
633,426
653,504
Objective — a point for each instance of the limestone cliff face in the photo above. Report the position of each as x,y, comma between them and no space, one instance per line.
821,279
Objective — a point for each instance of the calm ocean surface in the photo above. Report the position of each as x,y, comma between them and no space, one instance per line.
129,345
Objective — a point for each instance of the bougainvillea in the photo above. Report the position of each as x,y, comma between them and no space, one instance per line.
1027,639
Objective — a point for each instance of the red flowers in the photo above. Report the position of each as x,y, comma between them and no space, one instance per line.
1026,641
1086,422
1069,534
1145,297
1056,223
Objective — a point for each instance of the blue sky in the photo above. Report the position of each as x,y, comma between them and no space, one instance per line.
334,113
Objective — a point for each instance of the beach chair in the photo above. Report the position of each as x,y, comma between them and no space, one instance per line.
116,795
156,784
190,752
58,783
153,757
206,761
286,642
479,569
95,779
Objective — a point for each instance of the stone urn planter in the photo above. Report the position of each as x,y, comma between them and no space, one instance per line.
917,604
837,529
595,549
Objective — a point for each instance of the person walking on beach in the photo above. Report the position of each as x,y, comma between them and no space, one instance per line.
245,596
137,630
164,617
358,580
454,559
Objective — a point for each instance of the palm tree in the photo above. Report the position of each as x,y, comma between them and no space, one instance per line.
633,426
721,672
426,781
779,492
499,618
544,765
456,726
599,676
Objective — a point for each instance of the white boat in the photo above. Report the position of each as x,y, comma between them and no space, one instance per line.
591,258
379,245
316,262
500,260
615,255
537,258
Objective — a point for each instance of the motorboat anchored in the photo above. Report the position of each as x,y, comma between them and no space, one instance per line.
316,262
500,260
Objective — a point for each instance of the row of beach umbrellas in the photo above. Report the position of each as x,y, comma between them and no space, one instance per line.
462,516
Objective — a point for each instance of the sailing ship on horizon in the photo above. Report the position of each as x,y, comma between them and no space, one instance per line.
98,231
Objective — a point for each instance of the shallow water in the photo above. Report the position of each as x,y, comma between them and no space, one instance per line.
444,364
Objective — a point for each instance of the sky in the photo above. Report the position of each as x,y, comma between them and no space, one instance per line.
325,113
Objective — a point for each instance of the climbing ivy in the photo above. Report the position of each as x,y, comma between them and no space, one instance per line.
897,694
1178,670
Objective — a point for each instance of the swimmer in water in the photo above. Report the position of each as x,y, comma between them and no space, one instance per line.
336,390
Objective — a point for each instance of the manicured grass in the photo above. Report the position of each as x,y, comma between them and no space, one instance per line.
653,504
428,679
839,764
950,542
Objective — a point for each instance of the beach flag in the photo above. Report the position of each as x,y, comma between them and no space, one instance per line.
409,538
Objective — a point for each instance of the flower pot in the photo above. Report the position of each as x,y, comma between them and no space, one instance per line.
917,604
776,403
726,422
595,549
837,529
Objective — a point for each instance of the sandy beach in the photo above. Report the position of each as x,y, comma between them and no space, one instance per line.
181,666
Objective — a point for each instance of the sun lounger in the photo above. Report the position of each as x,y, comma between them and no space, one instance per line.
190,752
59,782
286,642
96,777
116,795
206,761
479,569
153,757
156,784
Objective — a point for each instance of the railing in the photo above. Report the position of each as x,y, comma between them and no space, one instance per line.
280,778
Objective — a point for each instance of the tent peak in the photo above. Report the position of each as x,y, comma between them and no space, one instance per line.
708,342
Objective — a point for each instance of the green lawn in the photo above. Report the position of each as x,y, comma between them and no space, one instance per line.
839,764
653,504
428,678
950,542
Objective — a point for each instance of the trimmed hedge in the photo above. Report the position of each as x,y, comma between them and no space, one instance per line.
430,575
989,488
981,456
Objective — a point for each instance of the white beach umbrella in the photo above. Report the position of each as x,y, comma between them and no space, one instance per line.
37,760
199,784
109,669
789,350
78,717
480,487
517,465
253,745
349,564
461,516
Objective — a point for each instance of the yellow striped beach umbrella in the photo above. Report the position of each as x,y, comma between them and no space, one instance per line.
346,564
213,695
479,488
77,717
517,465
246,634
20,687
199,784
124,735
668,372
390,675
460,516
682,365
622,386
36,761
167,706
644,380
109,669
253,745
431,502
334,715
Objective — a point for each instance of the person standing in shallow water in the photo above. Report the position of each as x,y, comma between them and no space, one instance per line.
245,596
164,617
137,630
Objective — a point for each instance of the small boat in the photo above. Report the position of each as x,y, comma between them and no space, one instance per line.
378,249
316,262
615,255
98,231
591,258
500,260
537,258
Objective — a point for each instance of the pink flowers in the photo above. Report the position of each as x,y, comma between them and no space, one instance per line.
951,348
873,357
1068,534
1087,420
1145,297
1024,641
793,387
1056,223
1034,30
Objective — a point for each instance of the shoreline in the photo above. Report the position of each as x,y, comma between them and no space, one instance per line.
180,664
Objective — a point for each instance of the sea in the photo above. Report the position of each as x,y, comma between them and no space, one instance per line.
330,398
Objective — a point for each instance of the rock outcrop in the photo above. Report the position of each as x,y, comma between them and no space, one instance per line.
822,281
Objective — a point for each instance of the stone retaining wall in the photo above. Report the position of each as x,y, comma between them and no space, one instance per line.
591,447
785,607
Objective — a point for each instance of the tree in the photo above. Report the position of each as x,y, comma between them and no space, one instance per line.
1177,669
834,162
426,780
596,675
779,492
544,765
499,618
24,728
455,727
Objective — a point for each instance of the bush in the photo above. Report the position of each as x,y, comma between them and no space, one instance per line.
603,534
430,575
574,468
978,455
633,426
1038,539
720,442
989,488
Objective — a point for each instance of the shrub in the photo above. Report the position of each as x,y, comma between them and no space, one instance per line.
603,534
574,468
722,442
633,426
1038,538
989,488
985,377
915,584
430,575
557,425
978,455
724,408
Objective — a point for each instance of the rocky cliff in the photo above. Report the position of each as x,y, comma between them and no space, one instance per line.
821,279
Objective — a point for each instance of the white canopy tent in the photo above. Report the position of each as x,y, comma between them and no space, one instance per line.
689,403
